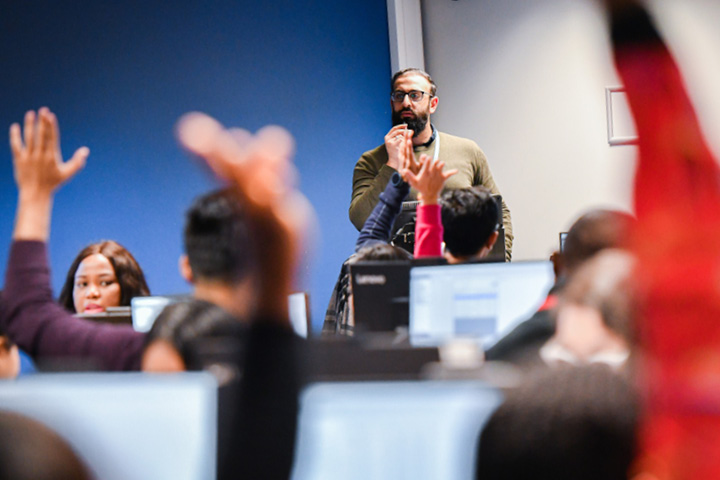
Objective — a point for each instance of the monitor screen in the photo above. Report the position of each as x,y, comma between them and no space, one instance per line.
146,309
127,425
482,301
390,430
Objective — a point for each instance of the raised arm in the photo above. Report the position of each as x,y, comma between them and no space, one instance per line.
30,316
677,202
428,181
279,216
39,171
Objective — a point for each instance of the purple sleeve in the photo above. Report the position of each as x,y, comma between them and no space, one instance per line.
41,327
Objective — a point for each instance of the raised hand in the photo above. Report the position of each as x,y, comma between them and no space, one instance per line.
38,164
396,144
39,171
260,168
429,179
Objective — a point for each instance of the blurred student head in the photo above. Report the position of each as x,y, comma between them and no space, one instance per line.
594,231
172,342
595,313
31,451
104,274
471,219
219,252
567,424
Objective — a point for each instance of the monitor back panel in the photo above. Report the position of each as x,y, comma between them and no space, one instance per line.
392,430
380,295
127,425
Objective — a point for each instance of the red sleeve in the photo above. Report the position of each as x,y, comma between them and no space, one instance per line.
428,232
677,201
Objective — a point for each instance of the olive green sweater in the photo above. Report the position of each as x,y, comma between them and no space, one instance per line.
372,174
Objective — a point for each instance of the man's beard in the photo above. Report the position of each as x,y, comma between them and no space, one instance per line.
417,123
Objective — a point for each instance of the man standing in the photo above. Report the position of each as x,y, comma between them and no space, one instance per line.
413,99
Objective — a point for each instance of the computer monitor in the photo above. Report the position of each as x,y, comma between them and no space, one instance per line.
117,315
391,430
146,309
299,312
482,301
380,295
127,425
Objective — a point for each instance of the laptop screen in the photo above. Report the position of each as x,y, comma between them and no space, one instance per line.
482,301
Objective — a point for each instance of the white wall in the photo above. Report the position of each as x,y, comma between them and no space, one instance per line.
525,79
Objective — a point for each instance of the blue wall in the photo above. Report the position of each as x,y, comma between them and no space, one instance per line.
119,74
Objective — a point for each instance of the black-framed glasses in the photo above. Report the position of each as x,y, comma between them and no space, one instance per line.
415,95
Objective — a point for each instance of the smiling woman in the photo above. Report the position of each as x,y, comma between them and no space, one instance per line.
104,274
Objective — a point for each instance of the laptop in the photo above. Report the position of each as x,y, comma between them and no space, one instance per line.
480,301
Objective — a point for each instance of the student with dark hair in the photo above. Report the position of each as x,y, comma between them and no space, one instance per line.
568,424
470,219
104,274
219,252
466,219
169,345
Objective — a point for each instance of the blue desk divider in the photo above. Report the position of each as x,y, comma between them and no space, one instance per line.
127,425
392,430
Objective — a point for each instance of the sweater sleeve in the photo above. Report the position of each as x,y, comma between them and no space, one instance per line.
485,178
378,226
41,327
428,232
370,177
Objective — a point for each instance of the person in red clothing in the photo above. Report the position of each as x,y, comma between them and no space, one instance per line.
466,219
677,203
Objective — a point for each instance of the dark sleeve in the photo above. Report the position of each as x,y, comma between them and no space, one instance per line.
379,224
266,424
41,327
522,345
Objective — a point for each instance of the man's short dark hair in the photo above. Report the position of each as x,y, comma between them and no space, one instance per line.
567,424
216,236
594,231
469,217
417,71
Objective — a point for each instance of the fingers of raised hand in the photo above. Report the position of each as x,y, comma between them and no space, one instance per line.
260,165
16,144
75,164
450,173
29,131
44,135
